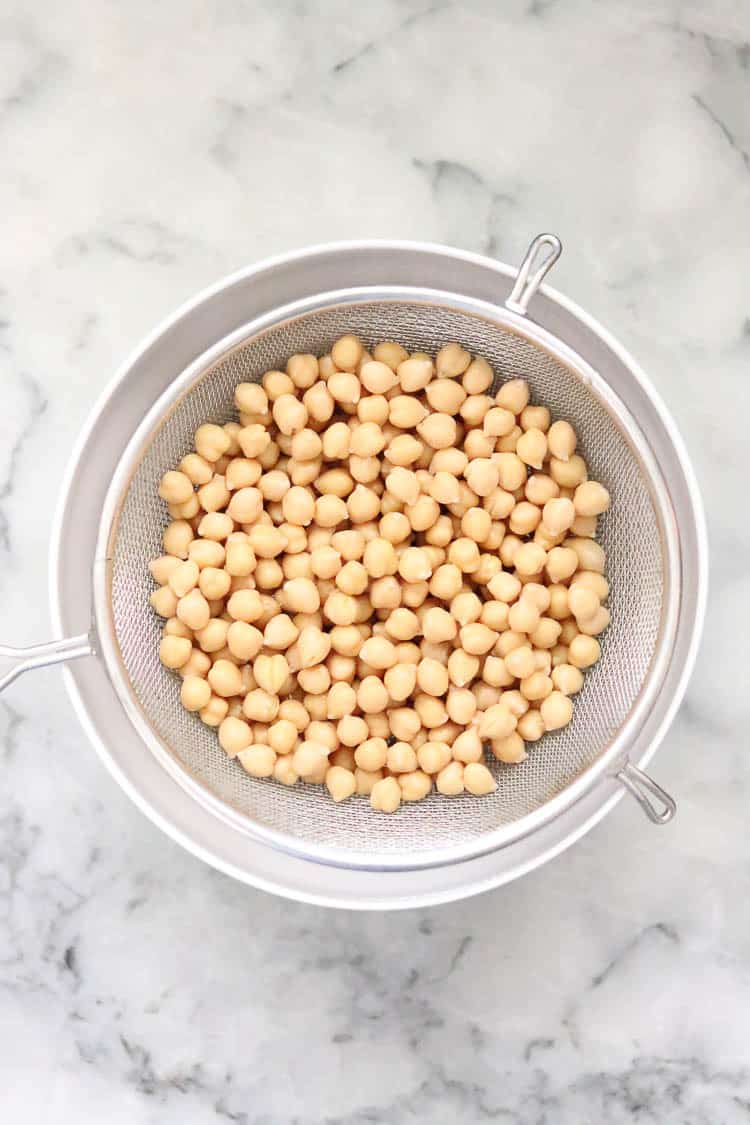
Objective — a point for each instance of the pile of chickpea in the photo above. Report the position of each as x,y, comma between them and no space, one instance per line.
380,571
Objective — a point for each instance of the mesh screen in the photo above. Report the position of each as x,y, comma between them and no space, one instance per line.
629,533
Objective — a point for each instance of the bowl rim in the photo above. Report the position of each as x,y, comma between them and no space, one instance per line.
338,248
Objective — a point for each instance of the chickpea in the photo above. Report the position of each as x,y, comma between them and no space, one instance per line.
504,587
570,473
342,700
438,430
445,397
478,377
175,487
556,710
385,795
214,711
477,639
562,440
433,756
309,758
177,538
478,780
482,476
174,651
529,559
596,624
567,679
371,754
318,402
290,414
450,780
591,499
462,667
452,360
184,577
415,373
496,722
196,469
511,470
377,378
415,786
432,677
559,608
592,580
590,554
546,634
536,686
197,665
461,705
345,388
352,730
259,706
498,422
400,681
531,447
516,703
431,711
464,553
520,662
531,726
379,653
438,625
234,735
525,518
510,749
214,583
213,637
561,564
250,398
340,783
253,440
195,693
162,568
347,352
513,395
225,678
207,552
401,758
193,610
569,631
211,442
583,602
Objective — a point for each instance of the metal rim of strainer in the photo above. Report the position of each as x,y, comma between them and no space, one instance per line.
508,319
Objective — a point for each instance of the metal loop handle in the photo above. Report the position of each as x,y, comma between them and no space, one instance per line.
527,285
643,788
39,656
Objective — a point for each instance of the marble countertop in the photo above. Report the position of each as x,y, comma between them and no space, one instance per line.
149,149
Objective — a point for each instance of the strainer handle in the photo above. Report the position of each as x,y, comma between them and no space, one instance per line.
39,656
540,258
643,788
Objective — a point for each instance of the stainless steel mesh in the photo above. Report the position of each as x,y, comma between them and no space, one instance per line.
629,533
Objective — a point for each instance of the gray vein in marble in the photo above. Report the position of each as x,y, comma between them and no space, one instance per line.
41,76
11,730
37,405
716,46
724,129
649,933
373,45
138,239
455,185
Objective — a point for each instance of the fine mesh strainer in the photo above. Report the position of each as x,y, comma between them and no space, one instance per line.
638,533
